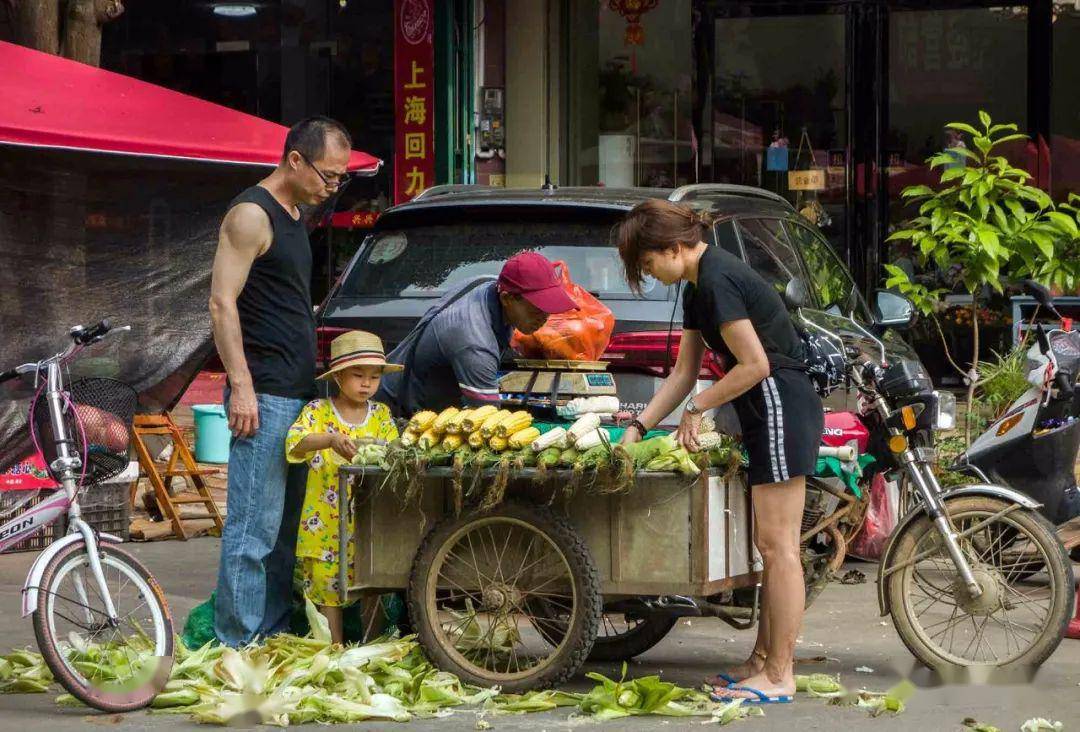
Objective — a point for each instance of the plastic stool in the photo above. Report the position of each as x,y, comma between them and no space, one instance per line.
1073,631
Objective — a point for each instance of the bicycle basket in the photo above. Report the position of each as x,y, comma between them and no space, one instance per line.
105,408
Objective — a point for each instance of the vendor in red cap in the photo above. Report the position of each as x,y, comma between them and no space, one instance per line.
452,356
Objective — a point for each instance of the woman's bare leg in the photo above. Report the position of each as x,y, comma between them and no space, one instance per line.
778,508
756,661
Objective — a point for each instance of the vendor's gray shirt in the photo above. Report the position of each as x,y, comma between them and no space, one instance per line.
456,361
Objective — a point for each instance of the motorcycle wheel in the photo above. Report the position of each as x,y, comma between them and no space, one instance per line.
1017,621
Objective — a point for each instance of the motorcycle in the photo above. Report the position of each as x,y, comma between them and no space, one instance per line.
972,575
1033,445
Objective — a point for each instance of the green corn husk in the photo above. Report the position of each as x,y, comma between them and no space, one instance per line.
548,458
178,698
438,456
524,458
370,453
644,451
568,457
818,684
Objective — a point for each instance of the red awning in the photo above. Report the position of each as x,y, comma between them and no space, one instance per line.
50,101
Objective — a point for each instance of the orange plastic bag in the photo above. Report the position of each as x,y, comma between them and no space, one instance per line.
577,335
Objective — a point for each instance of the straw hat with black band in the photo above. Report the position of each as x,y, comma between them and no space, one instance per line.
358,348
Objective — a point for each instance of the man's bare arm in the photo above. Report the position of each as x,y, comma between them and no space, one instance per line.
245,235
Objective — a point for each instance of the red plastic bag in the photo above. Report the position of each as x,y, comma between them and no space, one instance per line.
577,335
869,543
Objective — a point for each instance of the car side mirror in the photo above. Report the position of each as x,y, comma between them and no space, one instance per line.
892,310
796,294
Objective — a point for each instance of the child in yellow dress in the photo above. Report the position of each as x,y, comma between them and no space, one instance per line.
323,436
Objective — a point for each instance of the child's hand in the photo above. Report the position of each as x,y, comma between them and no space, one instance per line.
342,445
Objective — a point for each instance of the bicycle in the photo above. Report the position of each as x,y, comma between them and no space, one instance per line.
108,656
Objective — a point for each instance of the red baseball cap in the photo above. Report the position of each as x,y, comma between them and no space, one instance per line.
532,276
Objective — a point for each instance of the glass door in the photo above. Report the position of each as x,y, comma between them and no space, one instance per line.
775,111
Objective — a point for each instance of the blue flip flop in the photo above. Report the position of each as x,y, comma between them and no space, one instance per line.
762,697
731,680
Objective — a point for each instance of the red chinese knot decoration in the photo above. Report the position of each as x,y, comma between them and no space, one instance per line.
632,10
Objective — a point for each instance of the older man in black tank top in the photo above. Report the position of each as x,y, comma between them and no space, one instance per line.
264,329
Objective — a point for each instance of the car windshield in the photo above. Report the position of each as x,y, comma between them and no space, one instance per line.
426,261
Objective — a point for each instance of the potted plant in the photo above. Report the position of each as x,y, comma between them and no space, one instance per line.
983,224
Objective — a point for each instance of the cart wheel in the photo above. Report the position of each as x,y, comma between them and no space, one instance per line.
473,591
622,636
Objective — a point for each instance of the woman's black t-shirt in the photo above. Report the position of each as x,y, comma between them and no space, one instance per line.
728,289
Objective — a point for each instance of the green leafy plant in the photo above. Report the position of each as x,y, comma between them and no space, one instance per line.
984,224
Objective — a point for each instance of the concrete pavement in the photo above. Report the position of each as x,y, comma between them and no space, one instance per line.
843,625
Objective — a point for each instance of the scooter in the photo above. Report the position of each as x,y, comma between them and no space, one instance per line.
1033,445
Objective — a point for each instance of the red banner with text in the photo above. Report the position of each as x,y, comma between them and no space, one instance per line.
414,98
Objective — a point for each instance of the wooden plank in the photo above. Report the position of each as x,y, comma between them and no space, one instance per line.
143,530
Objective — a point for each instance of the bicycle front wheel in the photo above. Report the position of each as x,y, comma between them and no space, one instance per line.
115,665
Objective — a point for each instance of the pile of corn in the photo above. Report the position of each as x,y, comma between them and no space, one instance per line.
471,440
496,429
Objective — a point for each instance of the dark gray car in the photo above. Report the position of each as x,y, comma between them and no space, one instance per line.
452,233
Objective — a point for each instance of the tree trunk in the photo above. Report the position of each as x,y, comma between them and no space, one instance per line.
973,374
37,25
82,28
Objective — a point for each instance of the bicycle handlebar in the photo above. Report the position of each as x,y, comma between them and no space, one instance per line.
84,336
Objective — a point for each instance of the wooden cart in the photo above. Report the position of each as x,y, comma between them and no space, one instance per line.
520,595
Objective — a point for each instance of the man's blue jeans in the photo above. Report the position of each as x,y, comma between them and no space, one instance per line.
258,545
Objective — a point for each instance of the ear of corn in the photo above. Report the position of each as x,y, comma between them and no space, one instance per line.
708,424
591,439
421,421
644,451
552,438
568,456
476,440
585,424
523,438
428,440
409,437
708,440
593,458
498,444
453,426
439,425
549,458
475,417
487,427
452,442
515,422
524,458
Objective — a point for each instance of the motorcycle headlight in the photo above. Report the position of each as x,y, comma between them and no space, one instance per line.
946,410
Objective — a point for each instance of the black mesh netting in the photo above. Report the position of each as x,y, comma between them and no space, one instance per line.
86,236
97,416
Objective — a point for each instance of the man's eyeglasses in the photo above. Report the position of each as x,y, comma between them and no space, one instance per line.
330,180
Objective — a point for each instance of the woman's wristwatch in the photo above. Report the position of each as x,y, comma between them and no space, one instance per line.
692,407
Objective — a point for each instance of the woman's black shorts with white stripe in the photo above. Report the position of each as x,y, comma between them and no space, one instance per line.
782,420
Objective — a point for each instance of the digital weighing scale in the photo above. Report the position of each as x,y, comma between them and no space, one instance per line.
547,384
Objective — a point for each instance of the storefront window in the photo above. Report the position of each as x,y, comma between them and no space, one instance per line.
944,66
630,99
778,106
1065,111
